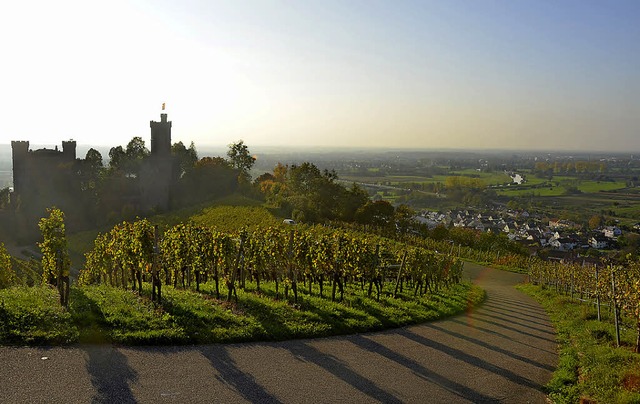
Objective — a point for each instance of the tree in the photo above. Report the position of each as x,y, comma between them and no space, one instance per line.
136,152
117,158
595,222
211,177
129,160
93,159
404,218
241,159
90,170
136,149
378,213
186,158
55,256
352,200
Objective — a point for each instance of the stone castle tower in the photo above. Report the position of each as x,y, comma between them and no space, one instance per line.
156,175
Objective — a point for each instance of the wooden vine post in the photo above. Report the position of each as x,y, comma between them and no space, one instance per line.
615,306
231,284
404,258
156,285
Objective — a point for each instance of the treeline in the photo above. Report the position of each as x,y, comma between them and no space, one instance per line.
307,194
569,167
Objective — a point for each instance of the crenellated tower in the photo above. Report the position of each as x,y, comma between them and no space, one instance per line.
161,137
69,150
156,174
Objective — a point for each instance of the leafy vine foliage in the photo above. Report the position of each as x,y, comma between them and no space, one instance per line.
55,255
7,275
618,284
189,254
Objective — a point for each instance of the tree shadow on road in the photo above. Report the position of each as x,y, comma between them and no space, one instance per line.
512,313
111,375
308,353
515,320
231,375
451,386
493,348
470,359
503,302
500,335
478,317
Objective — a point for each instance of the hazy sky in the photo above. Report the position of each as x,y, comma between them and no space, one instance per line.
443,74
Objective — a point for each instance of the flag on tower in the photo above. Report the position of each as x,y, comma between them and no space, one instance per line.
163,106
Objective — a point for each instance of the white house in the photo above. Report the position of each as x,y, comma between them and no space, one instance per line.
598,242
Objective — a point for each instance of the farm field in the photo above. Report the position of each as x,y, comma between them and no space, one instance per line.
555,197
559,187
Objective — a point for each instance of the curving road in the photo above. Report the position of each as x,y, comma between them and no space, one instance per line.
502,351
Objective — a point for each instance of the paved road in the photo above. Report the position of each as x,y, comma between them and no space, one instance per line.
503,351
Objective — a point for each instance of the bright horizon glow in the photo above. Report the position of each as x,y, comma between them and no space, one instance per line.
410,74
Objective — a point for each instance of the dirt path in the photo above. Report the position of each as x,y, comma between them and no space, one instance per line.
503,351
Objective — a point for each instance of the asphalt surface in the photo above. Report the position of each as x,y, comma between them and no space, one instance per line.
503,351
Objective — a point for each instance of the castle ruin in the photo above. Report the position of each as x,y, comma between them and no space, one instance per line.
48,177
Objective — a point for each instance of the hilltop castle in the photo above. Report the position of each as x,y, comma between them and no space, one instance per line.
155,178
48,177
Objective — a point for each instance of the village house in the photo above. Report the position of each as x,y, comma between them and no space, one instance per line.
611,231
598,242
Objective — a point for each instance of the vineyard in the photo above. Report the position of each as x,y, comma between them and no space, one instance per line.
187,255
194,284
613,287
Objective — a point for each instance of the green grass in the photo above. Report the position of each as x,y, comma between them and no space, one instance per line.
490,178
558,187
590,366
99,314
529,191
131,319
600,186
34,316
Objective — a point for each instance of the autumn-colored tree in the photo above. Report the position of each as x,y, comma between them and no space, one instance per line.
595,222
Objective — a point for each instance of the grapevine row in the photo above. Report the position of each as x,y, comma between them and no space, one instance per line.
186,255
617,285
